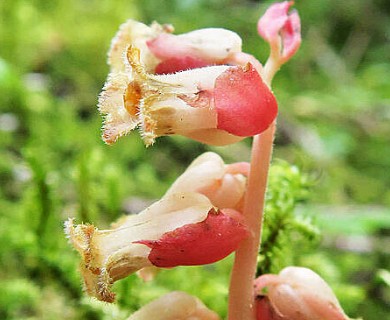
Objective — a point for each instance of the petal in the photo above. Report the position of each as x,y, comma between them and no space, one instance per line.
264,310
245,105
213,137
196,244
273,20
211,44
224,185
117,119
278,25
291,35
177,64
238,168
203,171
175,306
136,34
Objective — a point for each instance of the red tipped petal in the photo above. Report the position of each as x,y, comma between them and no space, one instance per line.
173,65
199,243
244,103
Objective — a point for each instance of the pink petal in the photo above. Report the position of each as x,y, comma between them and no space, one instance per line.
210,44
199,243
238,168
291,35
273,20
264,310
166,46
277,23
173,65
244,103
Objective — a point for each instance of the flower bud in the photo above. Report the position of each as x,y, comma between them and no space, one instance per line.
296,293
282,30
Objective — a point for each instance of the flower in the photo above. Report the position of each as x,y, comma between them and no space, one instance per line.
282,30
185,227
296,293
199,85
163,52
173,306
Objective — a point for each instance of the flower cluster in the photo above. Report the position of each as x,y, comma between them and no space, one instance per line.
199,85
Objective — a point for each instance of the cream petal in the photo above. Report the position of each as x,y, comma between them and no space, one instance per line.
134,33
213,137
188,81
208,175
202,172
175,305
230,192
117,120
214,43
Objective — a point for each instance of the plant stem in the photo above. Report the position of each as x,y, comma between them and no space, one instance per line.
241,297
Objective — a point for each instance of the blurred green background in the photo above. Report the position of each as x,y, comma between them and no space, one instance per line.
328,200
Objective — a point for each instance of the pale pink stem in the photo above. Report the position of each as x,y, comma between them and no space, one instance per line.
273,63
241,296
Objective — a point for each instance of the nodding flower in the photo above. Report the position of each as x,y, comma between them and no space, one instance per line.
199,85
281,29
193,224
296,293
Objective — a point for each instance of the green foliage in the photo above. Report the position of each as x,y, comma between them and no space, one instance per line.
284,230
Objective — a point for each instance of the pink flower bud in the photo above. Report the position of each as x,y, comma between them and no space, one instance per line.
281,29
296,293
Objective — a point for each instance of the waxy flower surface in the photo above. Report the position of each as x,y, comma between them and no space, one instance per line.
199,85
281,29
184,228
296,293
175,305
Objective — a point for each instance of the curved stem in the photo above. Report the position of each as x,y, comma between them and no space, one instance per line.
241,297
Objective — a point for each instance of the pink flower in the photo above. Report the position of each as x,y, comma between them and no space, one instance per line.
163,52
281,29
175,306
184,228
296,293
183,84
